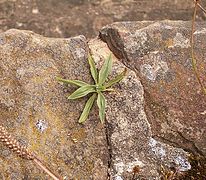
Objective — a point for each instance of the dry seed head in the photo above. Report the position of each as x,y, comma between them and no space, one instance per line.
23,152
14,145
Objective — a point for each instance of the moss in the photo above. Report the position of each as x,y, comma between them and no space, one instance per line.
79,134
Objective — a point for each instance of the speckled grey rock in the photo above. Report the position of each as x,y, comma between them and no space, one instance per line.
159,53
35,110
34,107
129,132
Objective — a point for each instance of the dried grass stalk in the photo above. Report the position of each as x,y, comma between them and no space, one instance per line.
13,145
23,152
194,60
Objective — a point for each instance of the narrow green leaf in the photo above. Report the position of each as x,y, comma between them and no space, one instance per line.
73,82
93,69
87,108
101,103
82,91
117,79
105,70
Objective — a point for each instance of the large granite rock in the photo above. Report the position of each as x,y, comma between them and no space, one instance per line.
160,55
130,140
156,113
35,110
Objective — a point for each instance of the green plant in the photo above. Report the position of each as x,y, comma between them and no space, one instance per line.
97,89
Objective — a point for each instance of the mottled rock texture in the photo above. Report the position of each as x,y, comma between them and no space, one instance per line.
34,108
159,53
130,138
155,115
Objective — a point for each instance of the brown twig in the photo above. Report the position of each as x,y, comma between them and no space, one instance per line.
23,152
200,6
194,61
43,167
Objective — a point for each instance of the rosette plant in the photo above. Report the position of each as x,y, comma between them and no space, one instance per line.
97,89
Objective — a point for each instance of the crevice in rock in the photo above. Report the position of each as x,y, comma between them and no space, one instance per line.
161,113
197,150
109,146
109,36
108,133
175,144
193,148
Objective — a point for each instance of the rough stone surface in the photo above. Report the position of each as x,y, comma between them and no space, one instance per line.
129,133
159,53
35,110
156,113
66,18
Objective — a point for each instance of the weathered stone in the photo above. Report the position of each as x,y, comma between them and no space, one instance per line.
129,134
160,55
35,110
155,113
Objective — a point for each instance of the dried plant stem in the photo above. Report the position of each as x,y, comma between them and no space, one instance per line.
43,167
194,61
14,145
23,152
200,6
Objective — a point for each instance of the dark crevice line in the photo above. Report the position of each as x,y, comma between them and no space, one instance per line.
108,140
116,48
118,51
193,144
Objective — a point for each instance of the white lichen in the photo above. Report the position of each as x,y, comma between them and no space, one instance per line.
183,164
148,71
158,66
79,52
41,125
136,41
118,178
180,41
121,167
20,72
169,156
156,148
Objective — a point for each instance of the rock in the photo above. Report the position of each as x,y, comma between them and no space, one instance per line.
130,138
153,119
35,110
159,53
